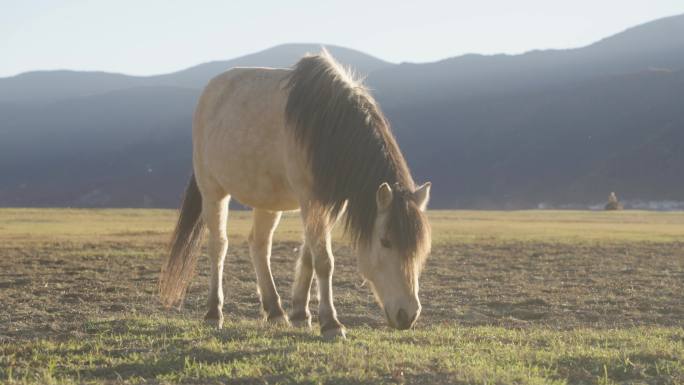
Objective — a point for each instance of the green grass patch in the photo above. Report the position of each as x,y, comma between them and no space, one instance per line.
137,350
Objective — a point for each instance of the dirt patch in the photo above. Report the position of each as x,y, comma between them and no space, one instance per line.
51,289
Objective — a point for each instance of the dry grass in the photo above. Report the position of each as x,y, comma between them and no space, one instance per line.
509,297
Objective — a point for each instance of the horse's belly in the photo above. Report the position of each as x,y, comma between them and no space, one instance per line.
268,193
253,173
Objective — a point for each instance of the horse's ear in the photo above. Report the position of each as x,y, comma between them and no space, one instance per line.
384,197
422,195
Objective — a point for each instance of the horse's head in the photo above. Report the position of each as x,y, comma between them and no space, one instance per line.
392,259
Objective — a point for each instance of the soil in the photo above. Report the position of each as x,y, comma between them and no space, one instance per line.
50,289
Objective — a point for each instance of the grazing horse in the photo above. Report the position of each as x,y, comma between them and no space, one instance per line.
310,138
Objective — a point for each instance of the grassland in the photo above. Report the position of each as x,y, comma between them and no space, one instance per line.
534,297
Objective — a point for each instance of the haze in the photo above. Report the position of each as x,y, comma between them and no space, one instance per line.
158,36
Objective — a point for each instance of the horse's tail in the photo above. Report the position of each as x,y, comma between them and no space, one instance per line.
179,267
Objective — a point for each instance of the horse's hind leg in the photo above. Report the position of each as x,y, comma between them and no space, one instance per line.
260,240
215,213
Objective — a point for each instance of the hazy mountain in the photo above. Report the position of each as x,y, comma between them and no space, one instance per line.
501,131
52,85
655,45
568,144
280,57
113,149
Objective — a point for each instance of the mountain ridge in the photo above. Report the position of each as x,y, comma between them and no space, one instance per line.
44,85
368,64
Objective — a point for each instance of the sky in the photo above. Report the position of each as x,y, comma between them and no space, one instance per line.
144,37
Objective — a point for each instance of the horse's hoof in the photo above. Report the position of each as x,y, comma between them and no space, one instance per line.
279,320
334,334
214,321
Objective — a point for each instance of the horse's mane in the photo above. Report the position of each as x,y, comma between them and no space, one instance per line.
351,152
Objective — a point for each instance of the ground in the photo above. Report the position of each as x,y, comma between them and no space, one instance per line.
532,297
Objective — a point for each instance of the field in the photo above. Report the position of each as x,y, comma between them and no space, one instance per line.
532,297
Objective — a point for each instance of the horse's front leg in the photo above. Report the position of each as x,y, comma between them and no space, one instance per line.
324,263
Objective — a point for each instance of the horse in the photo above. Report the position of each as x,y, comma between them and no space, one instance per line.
308,138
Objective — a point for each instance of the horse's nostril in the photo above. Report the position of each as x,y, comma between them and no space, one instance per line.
403,321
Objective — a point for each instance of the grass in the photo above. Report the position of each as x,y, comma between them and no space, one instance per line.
171,350
532,297
448,226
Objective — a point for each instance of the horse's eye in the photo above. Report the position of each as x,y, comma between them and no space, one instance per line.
385,243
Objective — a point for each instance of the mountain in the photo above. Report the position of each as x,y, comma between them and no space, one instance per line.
54,85
62,84
559,146
655,45
128,147
282,56
553,128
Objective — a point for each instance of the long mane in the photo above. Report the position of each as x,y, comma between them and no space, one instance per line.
351,152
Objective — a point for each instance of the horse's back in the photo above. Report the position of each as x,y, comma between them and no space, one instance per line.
239,142
240,94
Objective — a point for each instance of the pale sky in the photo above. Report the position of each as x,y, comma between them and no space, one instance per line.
143,37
